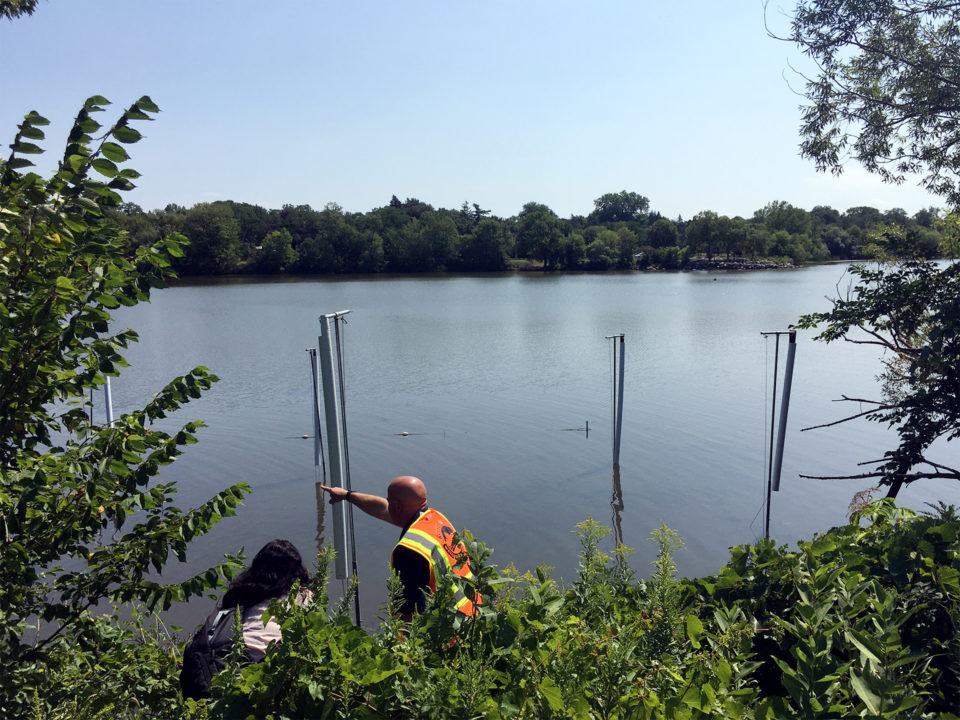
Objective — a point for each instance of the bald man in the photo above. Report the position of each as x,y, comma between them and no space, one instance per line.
425,550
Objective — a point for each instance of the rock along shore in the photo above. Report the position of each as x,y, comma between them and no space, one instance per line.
739,264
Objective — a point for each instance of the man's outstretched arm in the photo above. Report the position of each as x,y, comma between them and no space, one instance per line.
372,505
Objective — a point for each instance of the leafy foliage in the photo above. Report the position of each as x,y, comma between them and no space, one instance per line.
15,8
861,621
885,93
68,487
911,310
411,236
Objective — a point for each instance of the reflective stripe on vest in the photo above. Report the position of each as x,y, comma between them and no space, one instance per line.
430,537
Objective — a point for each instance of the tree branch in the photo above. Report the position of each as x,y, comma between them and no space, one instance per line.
907,478
880,407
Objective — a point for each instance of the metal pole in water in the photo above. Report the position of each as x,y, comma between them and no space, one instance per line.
784,407
773,410
318,461
346,458
617,394
108,402
616,449
331,403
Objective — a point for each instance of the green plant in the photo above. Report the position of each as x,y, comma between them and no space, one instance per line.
68,488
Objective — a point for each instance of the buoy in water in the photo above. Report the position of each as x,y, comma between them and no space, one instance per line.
404,433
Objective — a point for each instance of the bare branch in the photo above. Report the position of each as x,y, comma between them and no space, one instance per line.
908,478
885,406
880,407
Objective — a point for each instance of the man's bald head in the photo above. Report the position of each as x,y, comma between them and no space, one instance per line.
406,496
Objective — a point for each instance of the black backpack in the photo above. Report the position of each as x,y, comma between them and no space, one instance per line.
206,653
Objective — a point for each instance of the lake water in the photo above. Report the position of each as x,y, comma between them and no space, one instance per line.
494,378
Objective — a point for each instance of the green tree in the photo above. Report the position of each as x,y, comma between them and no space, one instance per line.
336,247
825,215
69,487
618,207
214,236
627,246
301,221
604,251
663,233
254,222
15,8
731,236
862,216
538,234
441,236
701,233
911,310
757,239
885,93
839,242
485,248
572,250
276,253
927,217
781,215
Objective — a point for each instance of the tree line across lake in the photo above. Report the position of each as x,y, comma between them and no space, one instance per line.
621,233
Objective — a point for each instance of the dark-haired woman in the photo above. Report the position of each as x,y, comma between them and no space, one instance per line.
270,576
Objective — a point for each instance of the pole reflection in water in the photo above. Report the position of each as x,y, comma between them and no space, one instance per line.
616,504
321,510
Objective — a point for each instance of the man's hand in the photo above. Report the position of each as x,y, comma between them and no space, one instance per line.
336,494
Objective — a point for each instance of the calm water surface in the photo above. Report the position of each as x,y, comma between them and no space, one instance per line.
492,377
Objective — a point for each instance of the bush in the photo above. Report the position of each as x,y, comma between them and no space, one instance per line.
68,486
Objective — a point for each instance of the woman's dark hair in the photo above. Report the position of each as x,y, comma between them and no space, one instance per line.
270,575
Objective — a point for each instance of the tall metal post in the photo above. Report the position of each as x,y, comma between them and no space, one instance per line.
320,465
616,449
108,402
318,460
784,407
776,360
617,396
346,457
331,400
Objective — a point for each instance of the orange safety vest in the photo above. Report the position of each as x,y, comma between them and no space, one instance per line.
431,537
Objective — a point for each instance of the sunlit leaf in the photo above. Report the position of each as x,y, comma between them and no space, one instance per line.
126,135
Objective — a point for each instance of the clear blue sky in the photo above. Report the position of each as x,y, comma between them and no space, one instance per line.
499,103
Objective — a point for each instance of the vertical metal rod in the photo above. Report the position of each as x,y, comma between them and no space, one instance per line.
331,403
784,407
773,411
108,403
619,428
318,459
613,394
346,457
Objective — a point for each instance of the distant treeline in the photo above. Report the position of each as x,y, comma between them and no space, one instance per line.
621,233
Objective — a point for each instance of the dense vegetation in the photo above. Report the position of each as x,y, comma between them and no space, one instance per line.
70,489
861,621
412,236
